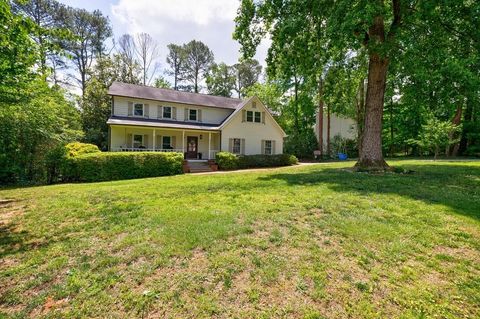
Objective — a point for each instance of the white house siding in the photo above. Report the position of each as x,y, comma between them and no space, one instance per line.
345,127
121,134
210,115
253,133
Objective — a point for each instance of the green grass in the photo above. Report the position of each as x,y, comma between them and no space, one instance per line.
314,241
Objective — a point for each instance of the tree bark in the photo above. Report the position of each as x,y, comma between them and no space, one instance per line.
371,157
328,130
452,150
320,116
468,118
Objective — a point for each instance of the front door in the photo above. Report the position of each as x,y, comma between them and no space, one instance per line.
192,147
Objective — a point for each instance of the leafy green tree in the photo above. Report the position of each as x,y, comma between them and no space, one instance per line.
48,32
96,103
436,135
198,60
247,72
30,128
87,43
308,35
161,82
18,54
175,60
221,80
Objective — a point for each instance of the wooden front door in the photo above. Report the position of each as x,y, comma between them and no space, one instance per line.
192,147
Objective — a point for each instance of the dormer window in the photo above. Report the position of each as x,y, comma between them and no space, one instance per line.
192,115
138,109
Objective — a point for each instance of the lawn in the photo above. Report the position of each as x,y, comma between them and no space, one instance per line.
315,241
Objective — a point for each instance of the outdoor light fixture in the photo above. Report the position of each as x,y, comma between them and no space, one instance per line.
201,136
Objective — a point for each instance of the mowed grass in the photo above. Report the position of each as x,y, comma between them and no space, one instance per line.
314,241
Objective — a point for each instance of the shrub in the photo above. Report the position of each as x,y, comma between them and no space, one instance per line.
301,144
114,166
57,160
226,160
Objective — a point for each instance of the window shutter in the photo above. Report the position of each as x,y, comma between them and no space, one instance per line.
242,146
129,140
147,109
273,147
173,141
244,115
174,113
230,145
263,147
199,115
145,140
186,114
263,117
160,112
130,109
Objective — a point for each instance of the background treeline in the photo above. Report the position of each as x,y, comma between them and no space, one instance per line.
57,62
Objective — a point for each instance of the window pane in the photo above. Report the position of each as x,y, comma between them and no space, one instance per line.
193,115
167,112
138,110
268,147
249,116
258,117
236,146
166,143
137,140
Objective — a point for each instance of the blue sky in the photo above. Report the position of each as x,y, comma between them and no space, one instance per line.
175,21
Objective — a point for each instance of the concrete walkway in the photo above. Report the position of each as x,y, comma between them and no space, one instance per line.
258,169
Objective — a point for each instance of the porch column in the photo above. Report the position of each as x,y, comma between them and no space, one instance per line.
209,141
154,137
183,141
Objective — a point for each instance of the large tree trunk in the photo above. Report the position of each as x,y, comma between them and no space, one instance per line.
320,116
452,150
371,157
468,118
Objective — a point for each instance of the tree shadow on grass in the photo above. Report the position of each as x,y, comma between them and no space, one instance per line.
455,186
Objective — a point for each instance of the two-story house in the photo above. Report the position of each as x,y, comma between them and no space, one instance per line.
198,125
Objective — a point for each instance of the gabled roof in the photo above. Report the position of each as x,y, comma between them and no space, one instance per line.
169,95
242,105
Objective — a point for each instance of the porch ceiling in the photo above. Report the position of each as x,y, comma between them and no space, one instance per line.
162,124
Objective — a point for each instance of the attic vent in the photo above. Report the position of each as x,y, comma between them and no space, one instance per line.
254,105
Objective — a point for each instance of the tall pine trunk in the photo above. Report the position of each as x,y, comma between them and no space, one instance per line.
371,157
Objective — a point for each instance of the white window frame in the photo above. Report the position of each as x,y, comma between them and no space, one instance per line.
169,143
196,115
254,117
239,146
269,148
259,117
143,109
163,112
133,140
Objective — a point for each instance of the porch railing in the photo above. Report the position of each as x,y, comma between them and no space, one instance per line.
213,154
144,149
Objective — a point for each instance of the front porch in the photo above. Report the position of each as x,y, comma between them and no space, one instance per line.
194,144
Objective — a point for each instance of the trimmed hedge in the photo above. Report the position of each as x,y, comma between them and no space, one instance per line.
228,161
109,166
57,160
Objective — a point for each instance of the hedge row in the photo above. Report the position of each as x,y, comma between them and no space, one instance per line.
114,166
227,161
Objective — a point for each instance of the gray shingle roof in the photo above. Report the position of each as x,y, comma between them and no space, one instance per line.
169,95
